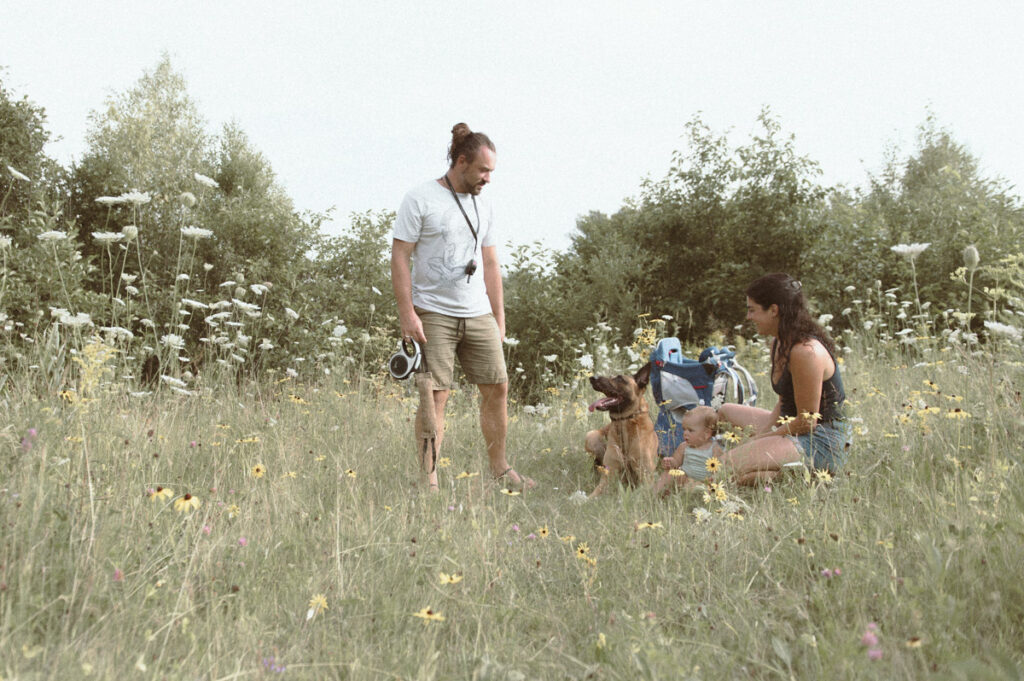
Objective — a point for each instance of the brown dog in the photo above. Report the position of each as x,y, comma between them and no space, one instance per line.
627,447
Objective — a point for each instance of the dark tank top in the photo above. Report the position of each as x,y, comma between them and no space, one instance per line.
832,393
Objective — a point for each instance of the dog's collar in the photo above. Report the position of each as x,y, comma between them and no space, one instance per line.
626,417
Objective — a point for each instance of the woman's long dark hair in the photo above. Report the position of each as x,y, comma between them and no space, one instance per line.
795,322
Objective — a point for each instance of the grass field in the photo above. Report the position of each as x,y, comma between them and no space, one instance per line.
277,530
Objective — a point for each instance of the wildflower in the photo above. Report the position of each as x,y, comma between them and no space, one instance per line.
647,525
543,532
677,473
5,243
289,474
183,277
910,251
317,604
291,313
258,471
550,358
18,176
173,341
957,413
107,238
259,289
719,491
76,320
428,615
869,639
874,653
350,473
233,511
110,200
586,361
160,493
118,575
52,236
291,373
444,462
296,399
712,464
971,257
510,492
466,474
823,475
130,232
511,342
582,550
242,541
1005,330
339,331
208,182
173,382
194,304
449,579
793,501
266,345
569,538
913,642
701,514
136,198
730,436
186,503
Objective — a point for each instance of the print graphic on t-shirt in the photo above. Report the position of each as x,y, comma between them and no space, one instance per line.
450,267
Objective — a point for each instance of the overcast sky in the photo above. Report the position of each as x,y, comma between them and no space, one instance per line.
352,102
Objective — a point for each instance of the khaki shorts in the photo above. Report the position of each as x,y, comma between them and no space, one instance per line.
476,341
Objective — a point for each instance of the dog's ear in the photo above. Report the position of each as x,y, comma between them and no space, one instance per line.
643,376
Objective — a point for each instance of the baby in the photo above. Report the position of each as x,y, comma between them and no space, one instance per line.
699,426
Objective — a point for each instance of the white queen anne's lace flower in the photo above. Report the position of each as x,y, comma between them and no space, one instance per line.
18,176
131,232
110,200
910,250
192,232
107,238
292,314
1005,330
53,235
173,340
206,181
136,198
5,243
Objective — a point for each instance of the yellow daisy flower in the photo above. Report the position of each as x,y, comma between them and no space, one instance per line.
350,473
428,615
449,579
914,642
543,532
730,436
582,550
466,474
444,462
823,475
317,604
233,511
259,470
186,503
289,474
676,473
296,399
161,493
569,538
712,464
510,492
248,440
647,525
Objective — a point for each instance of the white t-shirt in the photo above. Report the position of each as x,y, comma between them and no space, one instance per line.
430,218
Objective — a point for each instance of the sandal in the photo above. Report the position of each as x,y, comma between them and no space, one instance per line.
524,483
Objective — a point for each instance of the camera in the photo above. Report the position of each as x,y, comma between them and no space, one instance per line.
407,360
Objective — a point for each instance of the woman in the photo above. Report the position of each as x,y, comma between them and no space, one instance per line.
807,422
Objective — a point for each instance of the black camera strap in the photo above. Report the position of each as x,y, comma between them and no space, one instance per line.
464,214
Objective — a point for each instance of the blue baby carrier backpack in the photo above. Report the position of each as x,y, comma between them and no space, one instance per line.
679,384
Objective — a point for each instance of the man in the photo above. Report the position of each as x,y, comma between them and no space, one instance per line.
444,302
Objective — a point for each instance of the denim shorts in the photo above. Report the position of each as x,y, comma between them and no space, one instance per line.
827,446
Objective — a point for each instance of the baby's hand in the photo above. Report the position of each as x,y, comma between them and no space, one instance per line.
666,463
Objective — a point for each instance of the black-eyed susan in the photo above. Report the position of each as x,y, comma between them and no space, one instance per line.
161,494
428,615
648,526
186,503
712,464
730,437
569,538
677,472
823,475
247,440
296,399
233,511
444,462
793,501
718,491
289,474
957,413
259,470
543,532
913,642
510,492
350,473
317,604
445,578
319,457
582,550
465,475
783,420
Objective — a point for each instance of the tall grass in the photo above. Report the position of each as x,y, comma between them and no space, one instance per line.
917,543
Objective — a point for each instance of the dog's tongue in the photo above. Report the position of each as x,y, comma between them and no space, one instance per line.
604,403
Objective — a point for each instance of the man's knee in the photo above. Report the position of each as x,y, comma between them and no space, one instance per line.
494,392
